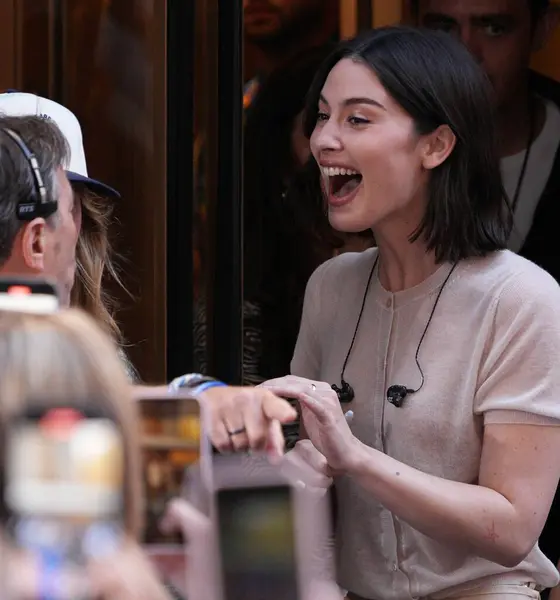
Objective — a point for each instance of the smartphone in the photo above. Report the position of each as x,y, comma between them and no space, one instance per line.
273,536
63,489
172,443
171,440
28,295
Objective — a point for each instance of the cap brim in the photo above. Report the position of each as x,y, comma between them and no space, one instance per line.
94,185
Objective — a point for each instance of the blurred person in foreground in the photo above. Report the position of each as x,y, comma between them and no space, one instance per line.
46,246
65,357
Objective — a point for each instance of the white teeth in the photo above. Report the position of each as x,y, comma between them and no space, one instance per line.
332,171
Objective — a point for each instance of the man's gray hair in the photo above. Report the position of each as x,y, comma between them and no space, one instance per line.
17,182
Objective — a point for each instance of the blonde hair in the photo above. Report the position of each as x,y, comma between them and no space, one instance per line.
65,356
95,266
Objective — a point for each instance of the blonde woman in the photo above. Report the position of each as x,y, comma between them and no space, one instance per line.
67,356
95,268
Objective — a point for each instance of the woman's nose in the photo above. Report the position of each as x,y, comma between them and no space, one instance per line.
327,138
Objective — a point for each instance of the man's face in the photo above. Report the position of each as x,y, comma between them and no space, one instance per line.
61,237
272,19
499,34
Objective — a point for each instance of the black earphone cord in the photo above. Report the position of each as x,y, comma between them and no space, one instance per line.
345,392
344,384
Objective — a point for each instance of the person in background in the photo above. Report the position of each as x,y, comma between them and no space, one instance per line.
45,245
93,201
278,30
287,234
65,357
39,218
502,36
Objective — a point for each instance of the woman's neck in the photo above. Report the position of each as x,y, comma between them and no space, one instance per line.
403,265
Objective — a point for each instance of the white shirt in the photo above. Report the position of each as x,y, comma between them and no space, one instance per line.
539,167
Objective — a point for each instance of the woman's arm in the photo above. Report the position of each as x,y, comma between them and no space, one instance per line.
500,517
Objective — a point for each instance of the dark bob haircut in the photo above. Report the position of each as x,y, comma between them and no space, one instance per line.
437,82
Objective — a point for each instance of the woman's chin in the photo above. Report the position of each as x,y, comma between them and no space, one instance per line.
348,222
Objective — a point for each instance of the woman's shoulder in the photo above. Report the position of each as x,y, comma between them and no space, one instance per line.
344,269
513,281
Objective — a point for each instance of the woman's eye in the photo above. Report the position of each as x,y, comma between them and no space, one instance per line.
321,116
357,120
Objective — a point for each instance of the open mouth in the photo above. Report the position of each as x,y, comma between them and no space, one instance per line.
341,181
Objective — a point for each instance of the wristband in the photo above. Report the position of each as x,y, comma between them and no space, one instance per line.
191,381
206,386
49,575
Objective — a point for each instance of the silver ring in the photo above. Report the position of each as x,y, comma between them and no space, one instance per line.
313,387
236,431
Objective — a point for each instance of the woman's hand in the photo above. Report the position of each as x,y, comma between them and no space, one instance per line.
304,459
322,416
202,573
126,575
244,417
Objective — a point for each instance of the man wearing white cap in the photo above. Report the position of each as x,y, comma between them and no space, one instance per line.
19,104
43,241
39,220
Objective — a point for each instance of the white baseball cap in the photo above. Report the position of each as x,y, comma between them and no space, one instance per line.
19,104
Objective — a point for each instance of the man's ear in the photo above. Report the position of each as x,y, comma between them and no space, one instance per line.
439,145
545,27
33,242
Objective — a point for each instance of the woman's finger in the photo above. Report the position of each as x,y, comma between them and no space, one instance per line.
319,409
276,408
275,441
182,516
257,425
219,435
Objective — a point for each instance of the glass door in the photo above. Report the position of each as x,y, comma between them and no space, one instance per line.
106,61
163,91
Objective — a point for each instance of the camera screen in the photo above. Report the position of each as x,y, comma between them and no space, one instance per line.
170,444
257,543
64,464
21,298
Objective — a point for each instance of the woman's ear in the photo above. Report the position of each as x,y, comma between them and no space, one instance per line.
438,146
33,241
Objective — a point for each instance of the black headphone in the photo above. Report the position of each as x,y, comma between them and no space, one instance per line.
396,394
39,204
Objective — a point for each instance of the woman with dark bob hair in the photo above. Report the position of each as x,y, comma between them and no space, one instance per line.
442,343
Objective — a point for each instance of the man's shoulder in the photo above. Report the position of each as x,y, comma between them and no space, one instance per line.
545,86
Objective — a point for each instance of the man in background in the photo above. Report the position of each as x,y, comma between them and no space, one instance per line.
502,35
278,30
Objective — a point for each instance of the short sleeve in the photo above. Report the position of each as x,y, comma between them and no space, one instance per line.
519,378
306,361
